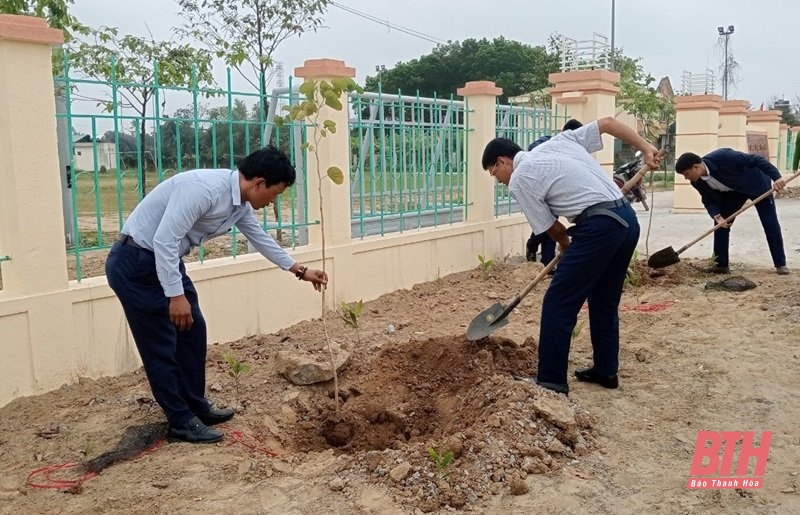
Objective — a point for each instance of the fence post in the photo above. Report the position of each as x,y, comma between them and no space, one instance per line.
696,130
333,150
733,125
769,121
784,160
31,217
589,95
481,102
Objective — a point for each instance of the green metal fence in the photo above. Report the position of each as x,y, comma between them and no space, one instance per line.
408,162
119,151
523,125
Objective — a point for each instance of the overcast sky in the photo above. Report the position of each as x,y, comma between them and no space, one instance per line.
671,36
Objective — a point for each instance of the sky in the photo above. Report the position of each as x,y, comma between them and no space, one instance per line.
671,37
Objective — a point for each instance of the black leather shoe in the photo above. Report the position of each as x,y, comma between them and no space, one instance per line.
215,416
194,431
588,375
718,270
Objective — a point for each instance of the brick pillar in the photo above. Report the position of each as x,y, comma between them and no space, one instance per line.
733,124
333,150
770,122
697,121
784,160
588,95
29,168
481,100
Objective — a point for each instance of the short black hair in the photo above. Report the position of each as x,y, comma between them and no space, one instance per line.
686,161
571,125
270,164
498,147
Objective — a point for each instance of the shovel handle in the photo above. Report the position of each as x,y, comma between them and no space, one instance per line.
755,201
536,280
633,180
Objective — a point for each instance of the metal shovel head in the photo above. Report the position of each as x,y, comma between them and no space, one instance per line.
488,321
663,258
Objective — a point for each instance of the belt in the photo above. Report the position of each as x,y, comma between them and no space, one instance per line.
604,208
127,240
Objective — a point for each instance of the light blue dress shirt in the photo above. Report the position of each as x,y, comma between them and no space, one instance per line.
190,208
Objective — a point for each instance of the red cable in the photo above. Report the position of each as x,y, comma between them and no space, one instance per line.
236,435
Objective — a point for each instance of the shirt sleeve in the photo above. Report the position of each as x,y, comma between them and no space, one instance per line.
587,136
263,242
533,206
183,209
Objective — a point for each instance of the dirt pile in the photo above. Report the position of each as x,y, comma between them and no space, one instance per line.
410,407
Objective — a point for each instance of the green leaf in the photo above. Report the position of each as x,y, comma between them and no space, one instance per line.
307,88
336,174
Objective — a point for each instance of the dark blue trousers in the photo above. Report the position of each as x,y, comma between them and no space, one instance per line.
593,268
548,247
174,361
729,202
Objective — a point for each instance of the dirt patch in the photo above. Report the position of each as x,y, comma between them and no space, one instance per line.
417,390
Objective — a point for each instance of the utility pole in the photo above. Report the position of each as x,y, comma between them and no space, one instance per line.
613,22
726,67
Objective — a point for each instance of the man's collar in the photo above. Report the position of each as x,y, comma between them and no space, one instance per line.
236,192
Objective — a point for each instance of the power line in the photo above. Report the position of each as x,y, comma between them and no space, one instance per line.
389,25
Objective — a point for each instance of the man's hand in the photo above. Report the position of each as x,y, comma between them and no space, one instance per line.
652,157
180,312
316,277
779,184
719,220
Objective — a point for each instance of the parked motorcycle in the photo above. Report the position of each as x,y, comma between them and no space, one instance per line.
625,173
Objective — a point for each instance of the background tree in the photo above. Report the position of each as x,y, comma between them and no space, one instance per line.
246,33
639,98
516,67
140,67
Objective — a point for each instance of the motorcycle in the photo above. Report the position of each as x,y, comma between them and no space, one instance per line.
625,173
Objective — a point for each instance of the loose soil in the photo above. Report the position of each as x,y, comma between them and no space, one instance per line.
416,390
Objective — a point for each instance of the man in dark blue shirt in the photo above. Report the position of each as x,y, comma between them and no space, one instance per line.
726,179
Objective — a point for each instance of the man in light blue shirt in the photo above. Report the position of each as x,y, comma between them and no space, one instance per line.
145,270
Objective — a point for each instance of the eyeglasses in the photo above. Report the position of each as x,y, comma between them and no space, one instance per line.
494,167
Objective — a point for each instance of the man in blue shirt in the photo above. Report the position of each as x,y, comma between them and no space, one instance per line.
146,272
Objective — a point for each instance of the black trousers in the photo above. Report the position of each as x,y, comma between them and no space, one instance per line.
593,269
729,202
174,361
548,247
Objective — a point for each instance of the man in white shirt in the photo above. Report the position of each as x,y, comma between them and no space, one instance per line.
561,178
145,270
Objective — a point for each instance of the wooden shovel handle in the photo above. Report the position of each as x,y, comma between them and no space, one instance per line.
536,280
737,213
633,180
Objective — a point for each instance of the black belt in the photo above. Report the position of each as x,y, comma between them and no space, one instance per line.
127,240
604,208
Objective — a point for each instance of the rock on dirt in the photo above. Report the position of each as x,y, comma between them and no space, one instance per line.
302,369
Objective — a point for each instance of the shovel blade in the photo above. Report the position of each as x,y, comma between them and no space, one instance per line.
488,321
663,258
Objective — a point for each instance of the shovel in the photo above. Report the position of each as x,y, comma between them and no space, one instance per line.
496,316
668,256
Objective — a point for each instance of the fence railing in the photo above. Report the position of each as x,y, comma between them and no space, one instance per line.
408,155
144,145
408,162
523,125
